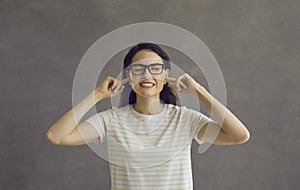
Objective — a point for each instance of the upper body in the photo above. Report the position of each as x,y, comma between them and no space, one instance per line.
156,150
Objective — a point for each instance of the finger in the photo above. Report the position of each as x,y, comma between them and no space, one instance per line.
110,84
121,89
124,81
115,83
171,83
118,88
181,84
178,84
170,79
177,87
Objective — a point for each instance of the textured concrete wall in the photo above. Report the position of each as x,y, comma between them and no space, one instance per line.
256,44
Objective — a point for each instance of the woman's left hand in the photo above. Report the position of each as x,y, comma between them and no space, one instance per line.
184,83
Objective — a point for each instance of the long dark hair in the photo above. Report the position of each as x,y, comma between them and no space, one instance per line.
166,95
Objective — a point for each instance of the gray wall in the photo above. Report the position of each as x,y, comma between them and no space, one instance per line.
256,44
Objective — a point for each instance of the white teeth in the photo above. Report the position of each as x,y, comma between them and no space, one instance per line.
147,84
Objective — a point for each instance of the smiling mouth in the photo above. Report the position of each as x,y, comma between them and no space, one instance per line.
147,85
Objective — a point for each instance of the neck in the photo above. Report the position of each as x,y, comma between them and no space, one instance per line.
148,106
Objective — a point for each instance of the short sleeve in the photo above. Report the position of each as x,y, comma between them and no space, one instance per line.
196,120
99,121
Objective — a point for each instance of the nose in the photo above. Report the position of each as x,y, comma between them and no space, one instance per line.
147,74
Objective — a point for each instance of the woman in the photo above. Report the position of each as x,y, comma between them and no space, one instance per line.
149,136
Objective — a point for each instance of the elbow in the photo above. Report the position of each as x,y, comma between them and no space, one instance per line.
51,139
243,138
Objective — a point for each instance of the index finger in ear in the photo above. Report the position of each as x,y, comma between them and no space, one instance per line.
170,79
125,80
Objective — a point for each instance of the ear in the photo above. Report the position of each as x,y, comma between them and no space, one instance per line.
127,74
167,74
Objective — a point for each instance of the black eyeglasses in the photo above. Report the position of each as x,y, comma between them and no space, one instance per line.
139,69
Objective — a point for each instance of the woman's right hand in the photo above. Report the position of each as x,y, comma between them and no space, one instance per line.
110,87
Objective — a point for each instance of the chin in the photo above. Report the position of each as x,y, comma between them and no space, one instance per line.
147,95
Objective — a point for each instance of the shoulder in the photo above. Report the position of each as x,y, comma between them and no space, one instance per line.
119,110
113,111
188,112
110,113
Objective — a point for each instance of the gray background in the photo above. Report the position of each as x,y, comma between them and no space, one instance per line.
256,44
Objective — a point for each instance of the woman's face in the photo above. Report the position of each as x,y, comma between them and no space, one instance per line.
147,84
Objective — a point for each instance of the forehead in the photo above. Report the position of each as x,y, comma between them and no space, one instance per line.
146,57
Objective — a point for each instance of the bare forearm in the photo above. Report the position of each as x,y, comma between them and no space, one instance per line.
230,125
68,122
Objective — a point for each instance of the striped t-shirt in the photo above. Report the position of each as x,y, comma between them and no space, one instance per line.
149,151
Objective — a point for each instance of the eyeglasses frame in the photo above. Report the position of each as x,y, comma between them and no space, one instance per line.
147,67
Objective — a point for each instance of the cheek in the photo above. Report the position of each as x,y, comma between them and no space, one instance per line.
160,85
134,79
160,77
